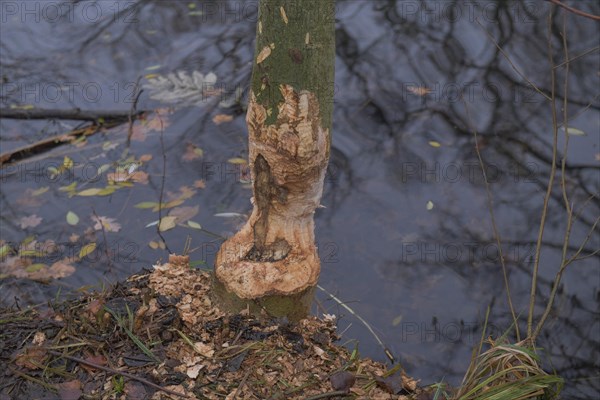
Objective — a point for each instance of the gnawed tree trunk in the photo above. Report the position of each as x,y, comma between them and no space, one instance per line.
272,262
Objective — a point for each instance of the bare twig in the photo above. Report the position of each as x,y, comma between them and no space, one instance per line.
365,323
514,67
162,184
490,202
132,110
585,53
117,372
575,10
538,248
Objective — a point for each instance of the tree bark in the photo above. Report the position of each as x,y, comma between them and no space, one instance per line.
272,262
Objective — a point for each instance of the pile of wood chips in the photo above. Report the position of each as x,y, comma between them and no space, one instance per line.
158,336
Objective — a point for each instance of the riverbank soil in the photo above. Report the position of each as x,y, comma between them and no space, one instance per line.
158,335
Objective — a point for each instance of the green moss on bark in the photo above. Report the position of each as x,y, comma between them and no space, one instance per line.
301,39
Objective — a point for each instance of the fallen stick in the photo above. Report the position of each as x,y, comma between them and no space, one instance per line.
73,114
117,372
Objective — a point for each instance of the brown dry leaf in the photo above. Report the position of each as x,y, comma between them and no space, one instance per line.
95,359
419,90
145,157
184,213
158,122
31,358
135,391
70,390
199,184
28,199
61,269
30,222
342,380
138,132
192,152
109,224
186,192
139,177
220,118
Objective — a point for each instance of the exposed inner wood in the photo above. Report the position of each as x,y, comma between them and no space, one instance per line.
275,253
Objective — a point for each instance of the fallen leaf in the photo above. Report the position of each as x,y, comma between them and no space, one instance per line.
39,191
429,205
146,204
139,177
61,269
574,131
167,223
434,143
31,358
145,157
194,225
194,371
264,53
72,218
135,391
419,90
108,224
237,160
30,222
96,359
89,192
220,118
192,152
199,184
70,390
342,380
184,213
87,249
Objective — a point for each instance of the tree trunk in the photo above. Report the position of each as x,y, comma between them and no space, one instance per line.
272,262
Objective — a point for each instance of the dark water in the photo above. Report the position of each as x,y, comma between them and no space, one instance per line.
406,237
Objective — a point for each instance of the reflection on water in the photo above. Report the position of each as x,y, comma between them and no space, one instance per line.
405,237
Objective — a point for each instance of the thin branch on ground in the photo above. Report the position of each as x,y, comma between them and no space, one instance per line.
117,372
75,114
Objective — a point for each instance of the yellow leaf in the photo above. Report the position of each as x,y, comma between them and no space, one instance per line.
264,53
67,163
171,204
89,192
433,143
167,223
87,249
237,160
429,205
39,191
283,15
